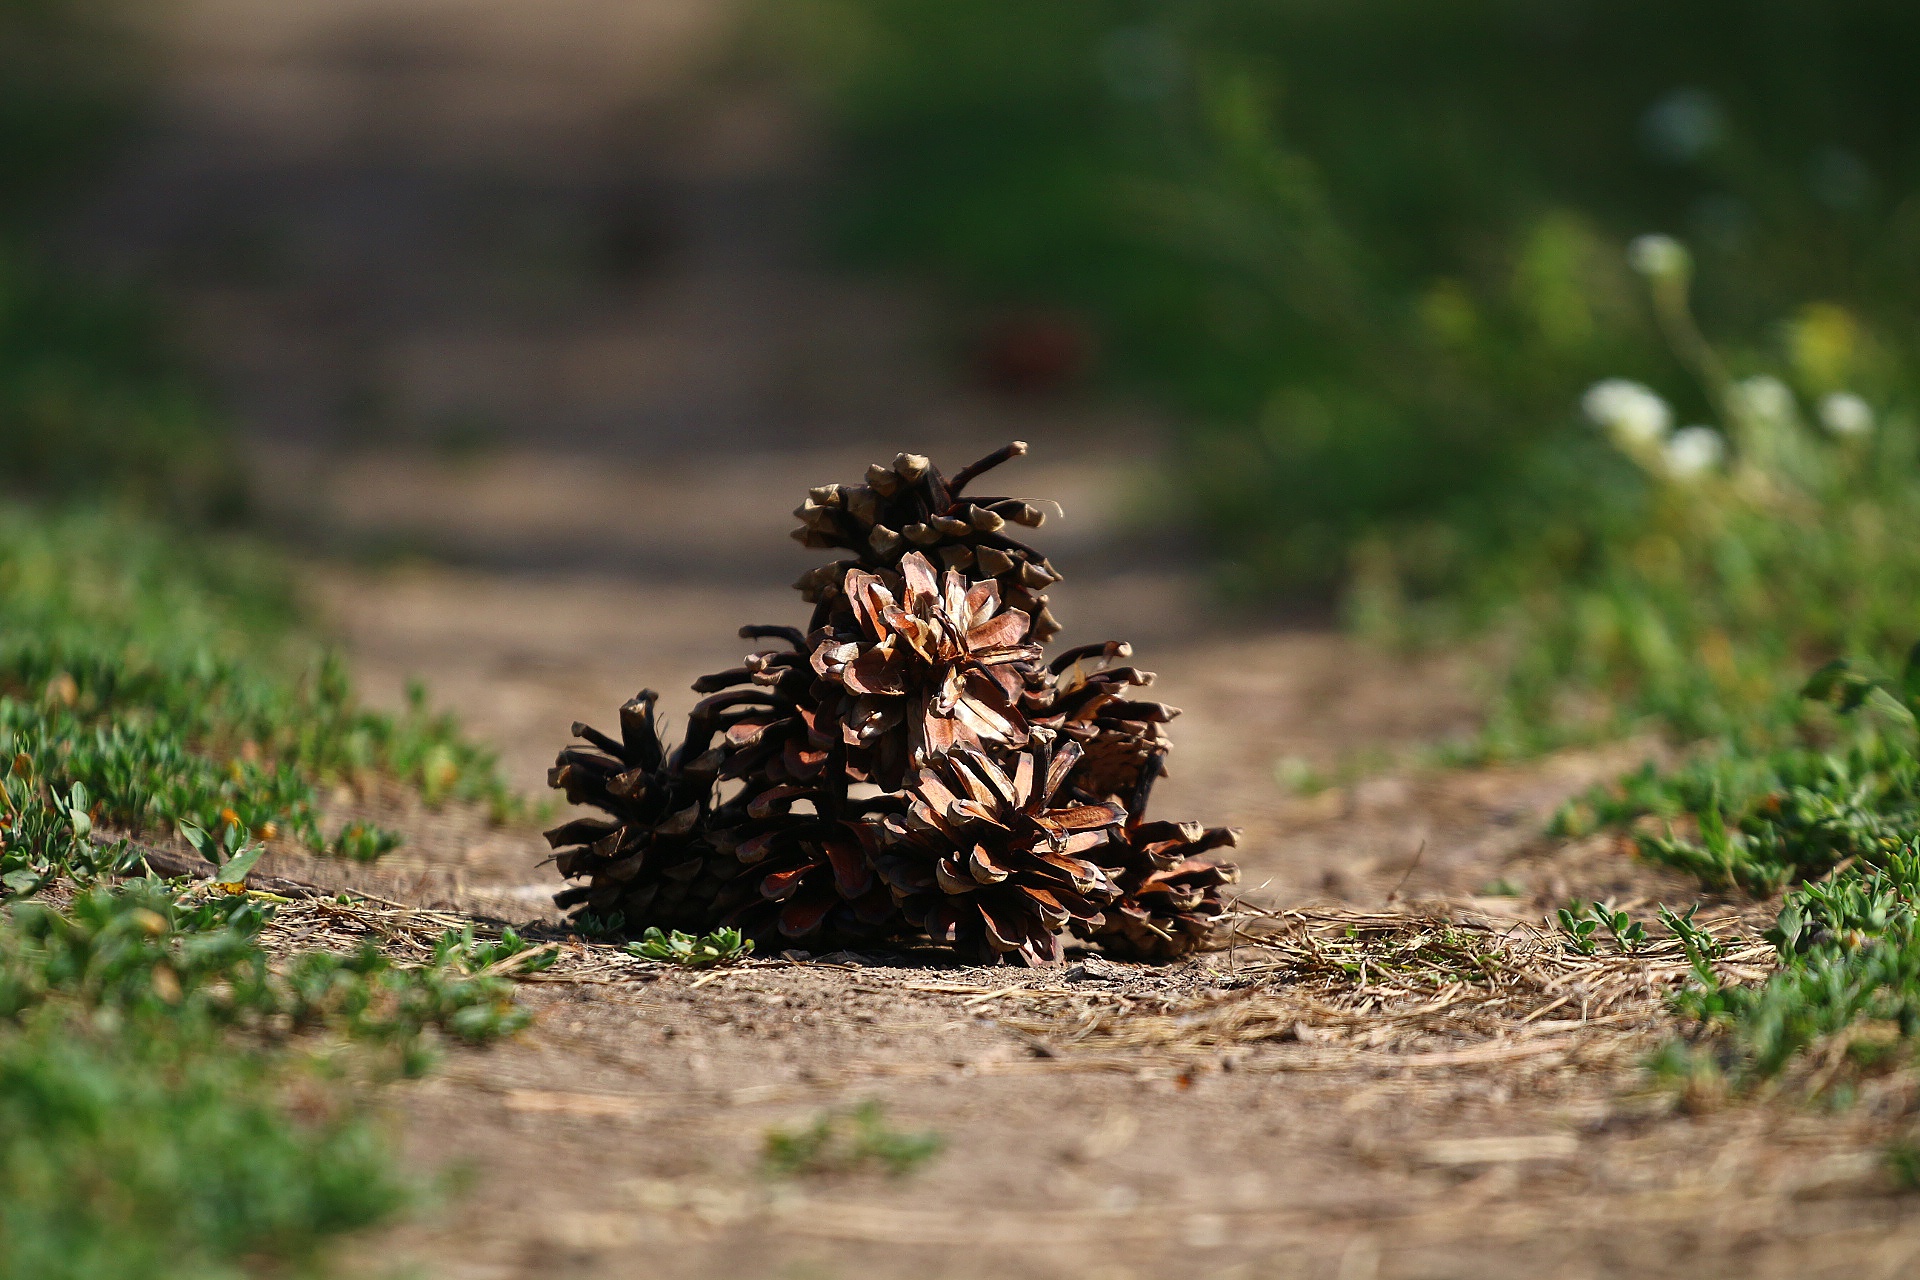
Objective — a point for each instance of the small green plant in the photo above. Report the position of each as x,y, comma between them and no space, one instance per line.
45,836
591,924
1702,948
1849,688
1297,775
1579,928
1582,922
231,853
847,1141
689,951
361,842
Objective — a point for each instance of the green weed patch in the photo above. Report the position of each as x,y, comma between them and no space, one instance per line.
176,1101
1835,826
166,673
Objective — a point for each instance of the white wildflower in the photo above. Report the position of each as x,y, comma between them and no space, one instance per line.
1631,412
1694,451
1766,397
1846,414
1658,257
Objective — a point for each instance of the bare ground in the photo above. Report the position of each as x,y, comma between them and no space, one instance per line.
1258,1111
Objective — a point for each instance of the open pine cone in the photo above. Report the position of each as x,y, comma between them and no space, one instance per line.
923,665
649,859
987,863
911,507
1123,739
808,880
763,714
1169,892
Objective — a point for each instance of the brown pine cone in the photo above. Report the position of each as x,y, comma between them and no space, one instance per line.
911,507
1124,739
767,731
920,666
1170,894
808,880
989,863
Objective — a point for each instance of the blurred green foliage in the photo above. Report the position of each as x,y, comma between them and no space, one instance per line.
1371,250
71,74
93,403
93,400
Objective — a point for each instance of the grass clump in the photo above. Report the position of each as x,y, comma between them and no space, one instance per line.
845,1142
1761,819
175,1102
168,674
1834,826
1845,1001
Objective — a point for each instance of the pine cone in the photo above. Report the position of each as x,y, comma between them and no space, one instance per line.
767,730
918,666
650,859
910,507
1124,742
809,880
1007,787
1170,894
987,864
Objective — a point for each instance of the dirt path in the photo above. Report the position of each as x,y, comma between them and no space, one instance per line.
522,287
1237,1115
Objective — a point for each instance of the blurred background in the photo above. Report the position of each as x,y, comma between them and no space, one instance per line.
1297,302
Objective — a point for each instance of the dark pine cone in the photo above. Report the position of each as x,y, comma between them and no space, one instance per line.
808,879
650,858
1170,893
910,507
764,715
986,863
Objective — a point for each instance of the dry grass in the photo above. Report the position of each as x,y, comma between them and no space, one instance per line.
1341,988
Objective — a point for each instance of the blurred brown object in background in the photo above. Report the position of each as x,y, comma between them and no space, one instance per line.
1034,353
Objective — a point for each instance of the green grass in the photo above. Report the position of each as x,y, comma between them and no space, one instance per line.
168,673
1832,824
1847,993
173,1101
176,1103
